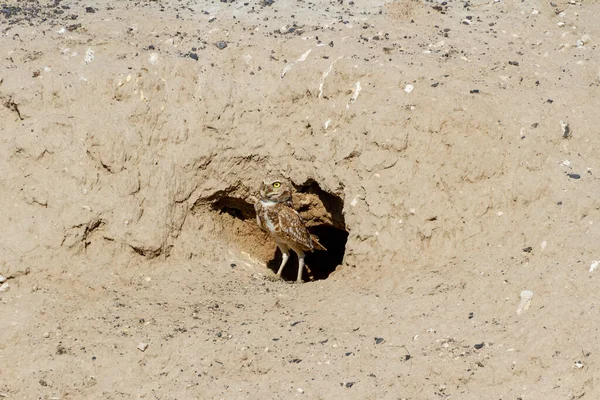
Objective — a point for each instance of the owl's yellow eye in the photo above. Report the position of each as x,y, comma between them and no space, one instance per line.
277,185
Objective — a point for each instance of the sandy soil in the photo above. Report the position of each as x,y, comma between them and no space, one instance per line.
445,153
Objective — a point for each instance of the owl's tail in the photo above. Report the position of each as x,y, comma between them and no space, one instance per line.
315,243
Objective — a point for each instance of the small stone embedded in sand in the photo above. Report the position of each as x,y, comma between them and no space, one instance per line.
578,364
46,335
2,279
526,296
379,340
594,265
89,56
300,390
566,129
409,88
574,176
4,287
221,45
142,346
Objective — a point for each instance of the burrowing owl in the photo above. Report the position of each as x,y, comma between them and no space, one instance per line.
276,215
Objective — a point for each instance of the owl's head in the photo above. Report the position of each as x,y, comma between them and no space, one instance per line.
278,190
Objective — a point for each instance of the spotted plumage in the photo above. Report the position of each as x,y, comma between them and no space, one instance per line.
276,215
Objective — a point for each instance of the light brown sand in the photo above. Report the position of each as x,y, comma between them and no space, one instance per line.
131,146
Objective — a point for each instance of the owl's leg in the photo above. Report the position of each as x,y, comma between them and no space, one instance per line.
285,255
300,266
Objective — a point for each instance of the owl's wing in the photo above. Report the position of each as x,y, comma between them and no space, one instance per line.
292,228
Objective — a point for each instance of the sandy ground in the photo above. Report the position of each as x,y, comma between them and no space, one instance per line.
446,153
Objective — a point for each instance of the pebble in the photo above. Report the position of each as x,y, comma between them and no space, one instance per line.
379,340
578,364
142,346
526,296
566,129
46,335
2,279
4,287
574,176
221,45
479,345
300,390
594,265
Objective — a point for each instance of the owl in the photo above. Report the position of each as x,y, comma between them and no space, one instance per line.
276,215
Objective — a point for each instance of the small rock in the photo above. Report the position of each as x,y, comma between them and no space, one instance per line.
574,176
528,249
221,45
479,346
594,265
526,296
349,384
90,10
193,56
213,19
300,390
142,346
4,287
474,91
578,364
566,129
514,63
2,279
46,335
379,340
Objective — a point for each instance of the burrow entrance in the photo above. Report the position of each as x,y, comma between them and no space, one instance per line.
323,214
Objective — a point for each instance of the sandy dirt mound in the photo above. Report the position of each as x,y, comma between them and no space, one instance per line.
446,153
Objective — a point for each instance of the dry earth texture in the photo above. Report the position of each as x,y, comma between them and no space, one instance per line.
446,154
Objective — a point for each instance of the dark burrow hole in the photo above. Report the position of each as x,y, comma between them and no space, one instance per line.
320,263
325,220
